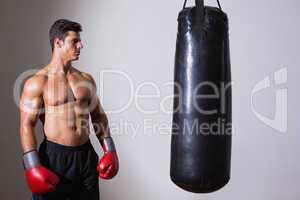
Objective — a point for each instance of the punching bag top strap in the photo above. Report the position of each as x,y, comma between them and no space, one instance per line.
219,5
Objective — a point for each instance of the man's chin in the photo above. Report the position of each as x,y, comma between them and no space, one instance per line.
75,58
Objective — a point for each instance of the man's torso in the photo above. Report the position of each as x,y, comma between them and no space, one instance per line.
65,113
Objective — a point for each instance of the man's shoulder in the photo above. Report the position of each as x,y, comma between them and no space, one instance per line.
40,77
36,82
85,75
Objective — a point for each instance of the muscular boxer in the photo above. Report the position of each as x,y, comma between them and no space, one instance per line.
65,166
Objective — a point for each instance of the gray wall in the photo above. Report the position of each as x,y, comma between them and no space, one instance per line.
138,39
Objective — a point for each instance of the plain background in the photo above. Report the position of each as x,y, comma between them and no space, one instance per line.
138,38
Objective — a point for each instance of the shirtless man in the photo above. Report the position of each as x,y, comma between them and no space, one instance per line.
63,98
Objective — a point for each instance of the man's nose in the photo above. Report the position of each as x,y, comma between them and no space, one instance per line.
80,45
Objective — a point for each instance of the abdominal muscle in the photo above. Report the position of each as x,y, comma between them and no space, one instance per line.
66,124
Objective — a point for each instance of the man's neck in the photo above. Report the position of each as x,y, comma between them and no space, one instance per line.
58,65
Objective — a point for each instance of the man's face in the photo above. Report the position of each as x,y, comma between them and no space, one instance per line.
71,46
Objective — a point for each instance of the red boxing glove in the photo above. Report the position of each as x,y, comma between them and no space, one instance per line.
108,165
40,180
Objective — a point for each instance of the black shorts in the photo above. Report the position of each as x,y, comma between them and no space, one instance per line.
76,168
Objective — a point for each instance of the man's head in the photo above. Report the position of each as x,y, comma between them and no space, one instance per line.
65,39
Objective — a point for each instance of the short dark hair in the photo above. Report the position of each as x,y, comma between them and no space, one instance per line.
60,28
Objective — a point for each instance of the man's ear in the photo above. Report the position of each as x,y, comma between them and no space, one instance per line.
58,43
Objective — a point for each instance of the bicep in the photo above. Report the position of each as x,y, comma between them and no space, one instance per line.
96,110
30,105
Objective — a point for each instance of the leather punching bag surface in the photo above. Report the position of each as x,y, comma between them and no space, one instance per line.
201,129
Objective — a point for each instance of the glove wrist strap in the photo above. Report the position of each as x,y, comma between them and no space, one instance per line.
31,159
108,144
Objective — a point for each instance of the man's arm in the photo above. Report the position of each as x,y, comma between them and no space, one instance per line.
98,116
108,165
40,180
30,105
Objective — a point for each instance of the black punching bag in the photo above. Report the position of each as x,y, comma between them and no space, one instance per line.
201,129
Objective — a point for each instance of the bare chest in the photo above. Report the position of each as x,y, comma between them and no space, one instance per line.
62,90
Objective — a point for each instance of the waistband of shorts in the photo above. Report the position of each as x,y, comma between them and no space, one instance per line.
54,145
